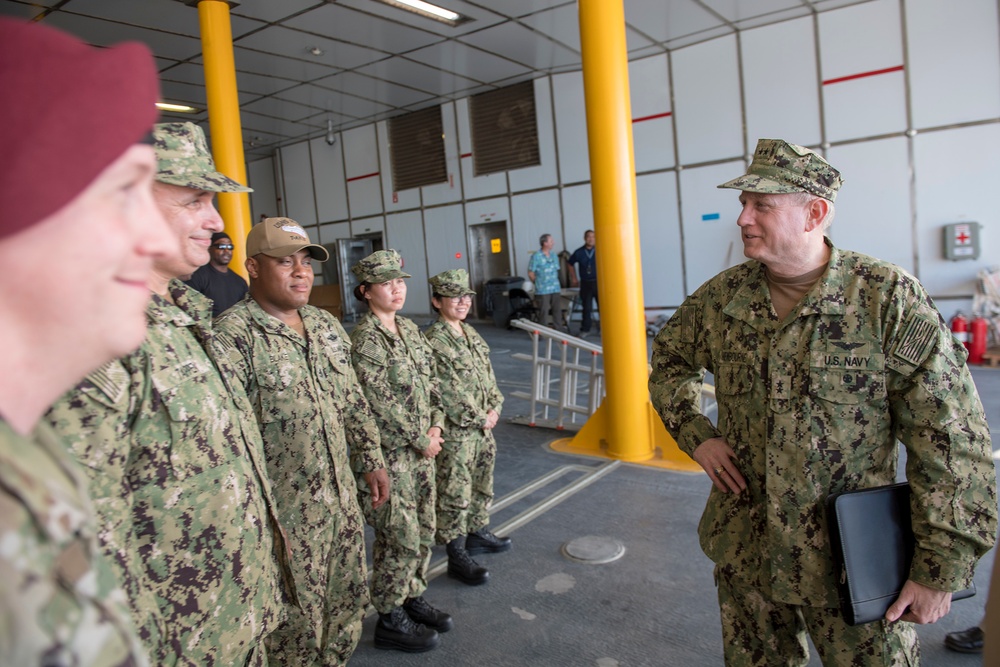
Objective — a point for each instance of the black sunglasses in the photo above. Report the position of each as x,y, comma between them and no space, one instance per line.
223,246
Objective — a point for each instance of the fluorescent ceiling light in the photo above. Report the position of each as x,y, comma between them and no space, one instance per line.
428,10
176,108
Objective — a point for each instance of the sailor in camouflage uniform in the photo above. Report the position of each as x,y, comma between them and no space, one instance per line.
822,358
294,361
394,365
204,524
472,403
76,180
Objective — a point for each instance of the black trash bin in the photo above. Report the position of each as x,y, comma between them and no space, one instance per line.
496,301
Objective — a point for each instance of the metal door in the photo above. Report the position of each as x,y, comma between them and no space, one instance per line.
489,257
349,253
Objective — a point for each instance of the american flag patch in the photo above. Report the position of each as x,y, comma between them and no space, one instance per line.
915,343
111,379
372,351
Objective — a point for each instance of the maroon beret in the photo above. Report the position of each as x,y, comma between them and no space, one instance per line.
69,111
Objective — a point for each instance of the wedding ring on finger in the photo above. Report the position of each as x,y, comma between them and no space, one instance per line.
719,470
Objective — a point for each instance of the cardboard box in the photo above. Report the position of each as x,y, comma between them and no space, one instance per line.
327,297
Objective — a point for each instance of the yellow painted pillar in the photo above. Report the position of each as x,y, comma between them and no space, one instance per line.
625,427
224,121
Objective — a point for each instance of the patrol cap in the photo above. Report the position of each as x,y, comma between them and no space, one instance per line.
281,237
379,267
779,167
454,282
69,111
183,158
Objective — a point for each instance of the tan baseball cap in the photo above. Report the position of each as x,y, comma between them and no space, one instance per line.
281,237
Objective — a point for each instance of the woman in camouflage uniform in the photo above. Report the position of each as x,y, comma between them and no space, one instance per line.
394,366
472,406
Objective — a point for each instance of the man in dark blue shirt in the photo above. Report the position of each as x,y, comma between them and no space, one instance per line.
585,276
215,280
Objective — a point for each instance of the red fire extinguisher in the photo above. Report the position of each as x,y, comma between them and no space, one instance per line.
960,329
978,331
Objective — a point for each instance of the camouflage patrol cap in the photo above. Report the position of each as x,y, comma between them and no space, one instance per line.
379,267
182,158
451,283
779,167
281,237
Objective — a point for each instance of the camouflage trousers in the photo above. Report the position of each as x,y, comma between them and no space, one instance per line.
761,633
404,529
331,582
464,483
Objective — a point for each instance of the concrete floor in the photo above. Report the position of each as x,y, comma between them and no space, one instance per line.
655,605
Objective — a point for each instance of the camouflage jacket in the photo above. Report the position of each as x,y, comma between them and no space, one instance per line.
309,406
100,444
204,523
397,375
468,387
813,405
59,602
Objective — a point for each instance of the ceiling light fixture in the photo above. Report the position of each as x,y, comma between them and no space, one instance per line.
428,10
176,108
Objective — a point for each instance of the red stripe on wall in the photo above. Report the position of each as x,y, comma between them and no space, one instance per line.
898,68
654,116
358,178
465,155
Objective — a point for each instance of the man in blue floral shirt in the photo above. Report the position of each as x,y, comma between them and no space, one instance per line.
543,270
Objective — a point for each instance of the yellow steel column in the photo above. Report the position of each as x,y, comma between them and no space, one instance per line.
625,427
224,121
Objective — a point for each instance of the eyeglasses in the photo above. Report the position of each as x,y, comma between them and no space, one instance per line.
467,298
223,246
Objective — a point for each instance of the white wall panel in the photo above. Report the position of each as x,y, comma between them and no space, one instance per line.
790,110
328,170
451,190
446,238
652,131
474,186
263,199
954,60
367,226
297,178
956,182
660,236
332,231
544,174
708,215
873,207
405,233
578,214
571,127
532,215
858,40
707,101
361,160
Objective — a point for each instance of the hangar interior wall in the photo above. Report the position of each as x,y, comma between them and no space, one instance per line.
903,96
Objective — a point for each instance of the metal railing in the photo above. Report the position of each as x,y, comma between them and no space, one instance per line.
567,379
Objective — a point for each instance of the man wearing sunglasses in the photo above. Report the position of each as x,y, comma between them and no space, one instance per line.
215,280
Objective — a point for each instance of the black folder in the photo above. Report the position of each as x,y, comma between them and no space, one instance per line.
873,544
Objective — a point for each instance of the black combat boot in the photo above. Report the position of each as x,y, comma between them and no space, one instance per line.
462,567
396,630
421,611
483,541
